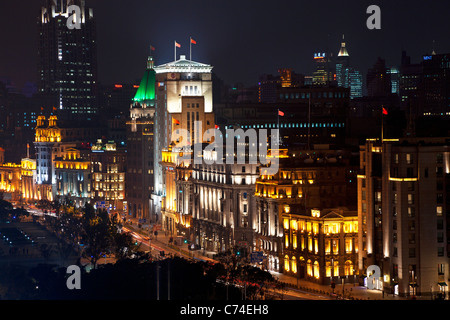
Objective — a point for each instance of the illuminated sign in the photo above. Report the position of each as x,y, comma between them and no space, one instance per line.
319,55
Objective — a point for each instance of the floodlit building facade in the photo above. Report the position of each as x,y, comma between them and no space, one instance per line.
403,214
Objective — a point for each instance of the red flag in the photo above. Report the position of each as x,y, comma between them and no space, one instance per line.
152,48
193,41
385,111
177,45
280,113
176,121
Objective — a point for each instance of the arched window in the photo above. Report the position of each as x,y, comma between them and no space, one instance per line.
294,265
286,263
348,268
316,270
309,269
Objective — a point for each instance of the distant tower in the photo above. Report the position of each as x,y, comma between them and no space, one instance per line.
347,76
67,59
343,62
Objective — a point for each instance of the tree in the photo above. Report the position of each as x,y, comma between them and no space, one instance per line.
96,234
46,251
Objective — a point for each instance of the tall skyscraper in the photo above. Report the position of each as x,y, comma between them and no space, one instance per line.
67,59
347,76
342,63
436,85
323,74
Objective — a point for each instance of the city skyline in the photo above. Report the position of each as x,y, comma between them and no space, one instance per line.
259,150
270,36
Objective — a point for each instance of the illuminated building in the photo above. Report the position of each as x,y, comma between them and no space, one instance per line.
394,75
67,59
169,217
223,204
403,214
306,181
72,172
409,84
346,75
108,164
269,85
28,187
435,86
47,135
141,148
342,63
10,181
183,98
323,75
319,113
320,245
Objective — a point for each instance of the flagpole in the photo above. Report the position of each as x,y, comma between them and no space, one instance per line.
175,55
190,48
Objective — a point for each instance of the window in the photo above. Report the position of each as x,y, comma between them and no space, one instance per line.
439,198
439,211
408,158
411,212
440,251
327,246
410,198
440,268
412,238
335,246
348,245
440,237
412,252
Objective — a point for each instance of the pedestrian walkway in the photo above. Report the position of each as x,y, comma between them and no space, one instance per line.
351,290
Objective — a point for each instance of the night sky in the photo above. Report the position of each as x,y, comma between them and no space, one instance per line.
242,39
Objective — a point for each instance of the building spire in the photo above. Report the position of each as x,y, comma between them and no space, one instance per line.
343,51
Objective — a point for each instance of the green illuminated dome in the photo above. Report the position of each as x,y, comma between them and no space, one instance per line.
146,92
